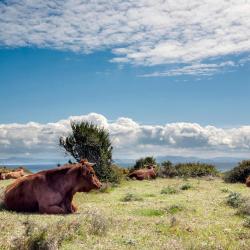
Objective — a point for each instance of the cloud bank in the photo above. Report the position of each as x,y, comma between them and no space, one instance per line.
142,32
130,139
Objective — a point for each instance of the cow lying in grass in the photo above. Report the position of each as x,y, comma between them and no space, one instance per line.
143,174
51,191
15,174
248,181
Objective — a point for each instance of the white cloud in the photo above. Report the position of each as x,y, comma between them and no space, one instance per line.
194,70
142,32
130,139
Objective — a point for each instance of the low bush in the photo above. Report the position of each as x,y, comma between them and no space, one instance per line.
149,212
167,170
106,187
169,190
186,186
174,209
195,169
225,190
98,223
131,197
116,174
186,170
239,173
247,222
234,199
37,237
244,208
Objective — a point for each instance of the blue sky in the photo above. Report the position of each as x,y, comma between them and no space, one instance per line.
46,85
165,78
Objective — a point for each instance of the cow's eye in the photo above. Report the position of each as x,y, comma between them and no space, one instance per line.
91,174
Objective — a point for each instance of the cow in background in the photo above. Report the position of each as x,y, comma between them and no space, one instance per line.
15,174
144,174
248,181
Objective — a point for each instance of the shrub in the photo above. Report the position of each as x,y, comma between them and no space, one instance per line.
174,209
98,224
186,170
244,208
239,173
234,199
131,197
116,174
247,222
167,170
149,212
195,169
169,190
37,237
225,190
106,188
185,186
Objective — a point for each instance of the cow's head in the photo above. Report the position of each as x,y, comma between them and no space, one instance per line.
88,177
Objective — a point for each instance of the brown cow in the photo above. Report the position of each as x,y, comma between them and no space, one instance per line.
51,191
2,176
14,174
142,174
248,181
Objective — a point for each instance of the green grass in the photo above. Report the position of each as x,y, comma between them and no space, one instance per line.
149,212
198,218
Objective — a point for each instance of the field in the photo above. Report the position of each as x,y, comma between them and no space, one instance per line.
158,214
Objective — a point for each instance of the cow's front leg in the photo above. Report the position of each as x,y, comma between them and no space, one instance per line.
71,208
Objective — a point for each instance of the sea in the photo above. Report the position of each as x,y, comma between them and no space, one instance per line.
34,168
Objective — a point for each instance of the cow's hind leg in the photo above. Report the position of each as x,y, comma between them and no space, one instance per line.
54,209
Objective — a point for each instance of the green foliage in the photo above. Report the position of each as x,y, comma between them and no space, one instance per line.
239,173
167,169
98,223
188,169
244,208
131,197
234,199
169,190
36,237
149,212
143,162
185,186
195,169
106,188
225,190
88,141
174,209
247,222
116,174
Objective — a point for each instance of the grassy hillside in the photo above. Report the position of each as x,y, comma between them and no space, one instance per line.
158,214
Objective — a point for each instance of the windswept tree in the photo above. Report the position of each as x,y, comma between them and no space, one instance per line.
88,141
